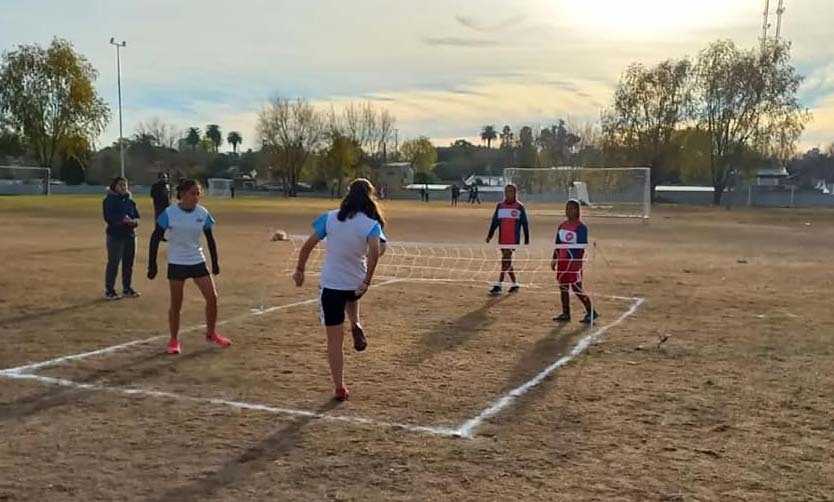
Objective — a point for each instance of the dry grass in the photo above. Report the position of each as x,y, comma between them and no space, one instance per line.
735,404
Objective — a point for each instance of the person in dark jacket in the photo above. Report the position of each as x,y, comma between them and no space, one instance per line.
122,218
161,195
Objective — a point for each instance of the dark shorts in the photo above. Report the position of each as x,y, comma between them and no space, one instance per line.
333,303
183,272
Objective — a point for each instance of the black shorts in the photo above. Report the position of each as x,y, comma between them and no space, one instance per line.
183,272
333,303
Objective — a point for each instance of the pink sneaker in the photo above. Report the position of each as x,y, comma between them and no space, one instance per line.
218,339
341,394
174,346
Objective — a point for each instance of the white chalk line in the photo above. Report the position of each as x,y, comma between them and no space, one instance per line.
62,382
468,428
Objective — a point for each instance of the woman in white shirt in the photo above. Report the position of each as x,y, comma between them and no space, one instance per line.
185,223
354,245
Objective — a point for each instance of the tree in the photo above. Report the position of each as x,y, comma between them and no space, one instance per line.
292,130
368,127
215,136
488,134
507,138
528,155
746,99
649,105
420,152
341,158
49,94
557,144
164,134
234,138
193,137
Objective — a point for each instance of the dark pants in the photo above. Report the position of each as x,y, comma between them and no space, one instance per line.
120,248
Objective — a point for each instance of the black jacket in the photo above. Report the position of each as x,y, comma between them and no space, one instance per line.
114,208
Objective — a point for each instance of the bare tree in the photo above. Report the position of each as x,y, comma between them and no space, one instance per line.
293,130
372,129
166,135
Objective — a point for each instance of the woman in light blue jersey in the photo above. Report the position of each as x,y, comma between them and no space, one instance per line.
186,222
354,245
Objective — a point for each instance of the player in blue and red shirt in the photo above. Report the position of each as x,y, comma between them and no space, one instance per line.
568,257
510,218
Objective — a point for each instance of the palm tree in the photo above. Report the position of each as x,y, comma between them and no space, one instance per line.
489,134
214,135
506,137
234,138
193,137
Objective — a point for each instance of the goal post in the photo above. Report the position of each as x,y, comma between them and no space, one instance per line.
23,180
220,187
622,192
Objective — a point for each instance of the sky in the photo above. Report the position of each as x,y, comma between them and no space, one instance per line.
444,68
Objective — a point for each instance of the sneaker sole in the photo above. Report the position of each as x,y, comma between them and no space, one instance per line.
360,343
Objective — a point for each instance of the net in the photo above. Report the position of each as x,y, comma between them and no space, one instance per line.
220,187
18,180
623,192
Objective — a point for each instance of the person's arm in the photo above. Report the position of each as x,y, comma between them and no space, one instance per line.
525,226
493,225
319,233
112,213
555,252
156,236
373,259
578,253
212,246
134,214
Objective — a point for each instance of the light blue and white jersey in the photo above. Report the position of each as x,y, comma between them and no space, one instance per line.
346,261
184,231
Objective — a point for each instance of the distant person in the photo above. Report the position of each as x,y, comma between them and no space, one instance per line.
232,190
426,192
161,196
510,218
122,218
455,195
422,194
474,196
568,257
185,222
354,244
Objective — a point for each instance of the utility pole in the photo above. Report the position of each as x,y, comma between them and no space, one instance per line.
765,24
779,11
119,45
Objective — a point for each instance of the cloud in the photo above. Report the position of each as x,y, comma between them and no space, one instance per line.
459,42
473,24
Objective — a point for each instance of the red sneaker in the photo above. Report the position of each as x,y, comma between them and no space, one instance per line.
174,346
341,394
218,339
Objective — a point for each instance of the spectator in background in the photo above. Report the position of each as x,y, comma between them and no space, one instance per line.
455,195
161,195
473,194
122,218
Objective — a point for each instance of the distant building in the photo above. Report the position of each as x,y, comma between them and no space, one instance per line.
771,176
394,176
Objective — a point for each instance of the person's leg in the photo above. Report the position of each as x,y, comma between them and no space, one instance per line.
360,343
176,287
510,268
128,257
114,255
564,295
352,311
590,312
206,285
335,355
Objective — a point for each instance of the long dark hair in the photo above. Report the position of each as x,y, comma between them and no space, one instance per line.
116,181
185,185
361,199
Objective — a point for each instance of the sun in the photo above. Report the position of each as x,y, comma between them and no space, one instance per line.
643,17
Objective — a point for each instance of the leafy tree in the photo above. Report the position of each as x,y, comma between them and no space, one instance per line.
557,144
489,134
420,152
746,99
48,94
234,138
506,138
341,159
292,131
528,155
649,105
193,137
215,136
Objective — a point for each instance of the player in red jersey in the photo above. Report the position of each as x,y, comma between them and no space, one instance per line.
510,218
568,256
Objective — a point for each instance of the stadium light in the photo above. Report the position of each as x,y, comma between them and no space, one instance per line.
119,45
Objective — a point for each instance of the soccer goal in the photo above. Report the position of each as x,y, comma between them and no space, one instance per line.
220,187
623,192
17,180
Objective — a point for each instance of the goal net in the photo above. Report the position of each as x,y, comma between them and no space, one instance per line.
219,187
608,191
16,180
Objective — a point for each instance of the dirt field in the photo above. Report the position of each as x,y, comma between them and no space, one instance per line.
735,404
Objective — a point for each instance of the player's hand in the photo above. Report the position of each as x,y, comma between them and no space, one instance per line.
362,289
553,265
298,277
215,269
151,271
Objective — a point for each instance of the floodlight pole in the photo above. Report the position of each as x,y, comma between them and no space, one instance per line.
119,45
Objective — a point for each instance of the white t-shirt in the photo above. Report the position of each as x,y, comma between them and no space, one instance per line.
184,231
345,263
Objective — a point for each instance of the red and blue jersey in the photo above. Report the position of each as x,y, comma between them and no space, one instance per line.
571,241
510,218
